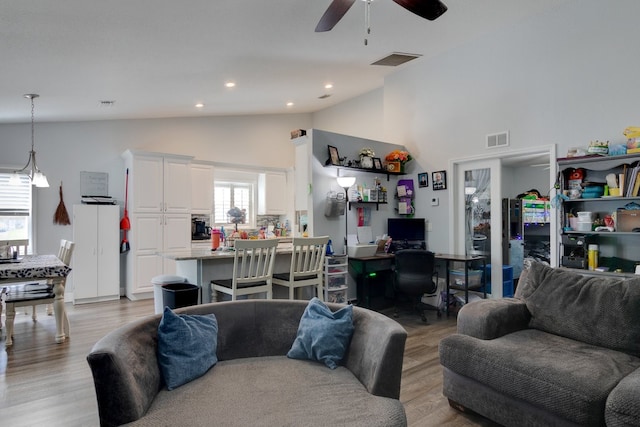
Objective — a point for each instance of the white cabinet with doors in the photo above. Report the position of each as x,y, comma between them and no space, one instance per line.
160,211
201,188
272,193
96,258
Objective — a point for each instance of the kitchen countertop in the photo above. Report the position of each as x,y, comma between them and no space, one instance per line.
203,254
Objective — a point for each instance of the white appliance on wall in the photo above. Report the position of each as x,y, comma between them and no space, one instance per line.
96,257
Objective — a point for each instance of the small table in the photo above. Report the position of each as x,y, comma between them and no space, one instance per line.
466,259
38,268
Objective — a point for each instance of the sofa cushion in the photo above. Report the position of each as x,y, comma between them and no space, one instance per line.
323,335
186,346
623,403
566,377
596,310
273,391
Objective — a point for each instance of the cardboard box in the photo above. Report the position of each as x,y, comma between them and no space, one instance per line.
627,220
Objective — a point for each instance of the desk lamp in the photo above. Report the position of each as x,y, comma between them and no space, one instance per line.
346,182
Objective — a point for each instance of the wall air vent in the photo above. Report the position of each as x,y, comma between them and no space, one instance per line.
396,58
500,139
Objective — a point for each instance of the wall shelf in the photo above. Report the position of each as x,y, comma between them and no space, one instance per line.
367,203
377,171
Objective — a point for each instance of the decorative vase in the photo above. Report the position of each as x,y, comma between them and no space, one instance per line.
394,166
366,162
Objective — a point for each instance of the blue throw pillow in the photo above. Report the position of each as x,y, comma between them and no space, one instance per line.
187,346
322,334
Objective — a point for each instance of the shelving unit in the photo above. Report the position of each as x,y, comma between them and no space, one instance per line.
336,272
377,171
619,251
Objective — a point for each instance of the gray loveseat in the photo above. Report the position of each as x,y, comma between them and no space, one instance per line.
564,352
254,383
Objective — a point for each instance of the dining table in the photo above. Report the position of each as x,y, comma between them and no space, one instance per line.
36,268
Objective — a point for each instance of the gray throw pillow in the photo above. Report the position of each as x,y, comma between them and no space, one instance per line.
323,335
187,346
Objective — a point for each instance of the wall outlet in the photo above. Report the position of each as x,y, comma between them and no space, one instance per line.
435,201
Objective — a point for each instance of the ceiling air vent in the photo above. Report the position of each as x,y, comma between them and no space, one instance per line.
396,58
500,139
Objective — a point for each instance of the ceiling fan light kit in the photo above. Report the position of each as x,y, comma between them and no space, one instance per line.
427,9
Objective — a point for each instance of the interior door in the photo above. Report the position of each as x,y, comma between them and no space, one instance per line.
478,214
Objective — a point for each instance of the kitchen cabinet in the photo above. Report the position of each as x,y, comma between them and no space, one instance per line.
619,250
160,212
272,193
96,258
201,188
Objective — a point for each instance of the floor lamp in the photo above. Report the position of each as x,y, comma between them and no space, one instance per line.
346,182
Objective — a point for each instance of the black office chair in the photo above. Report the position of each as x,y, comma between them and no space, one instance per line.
415,276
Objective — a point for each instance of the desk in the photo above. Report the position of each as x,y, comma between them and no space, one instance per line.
362,267
466,259
39,268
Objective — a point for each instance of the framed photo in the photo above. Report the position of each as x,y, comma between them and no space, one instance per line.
377,163
439,180
423,180
334,157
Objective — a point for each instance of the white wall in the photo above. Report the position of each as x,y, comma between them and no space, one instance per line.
565,77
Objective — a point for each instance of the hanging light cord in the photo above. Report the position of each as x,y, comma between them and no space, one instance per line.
367,21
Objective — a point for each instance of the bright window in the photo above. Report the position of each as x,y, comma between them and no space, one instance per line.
234,203
15,208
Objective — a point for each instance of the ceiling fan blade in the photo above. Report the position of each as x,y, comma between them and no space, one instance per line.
333,14
428,9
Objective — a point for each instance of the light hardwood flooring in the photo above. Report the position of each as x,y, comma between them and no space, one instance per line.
47,384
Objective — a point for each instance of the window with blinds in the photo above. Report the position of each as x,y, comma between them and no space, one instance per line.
233,203
15,208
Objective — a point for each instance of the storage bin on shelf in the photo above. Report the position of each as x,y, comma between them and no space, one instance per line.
457,280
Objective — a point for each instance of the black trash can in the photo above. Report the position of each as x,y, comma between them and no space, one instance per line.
176,295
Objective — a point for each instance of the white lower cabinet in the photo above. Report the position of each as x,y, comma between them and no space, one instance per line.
96,256
152,234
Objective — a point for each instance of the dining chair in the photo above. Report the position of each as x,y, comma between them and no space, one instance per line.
33,294
307,263
252,269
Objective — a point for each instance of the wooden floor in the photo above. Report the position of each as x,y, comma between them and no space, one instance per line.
47,384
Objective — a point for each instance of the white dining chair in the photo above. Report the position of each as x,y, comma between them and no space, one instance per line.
253,262
307,263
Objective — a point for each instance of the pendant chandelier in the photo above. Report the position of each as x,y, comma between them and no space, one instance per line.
36,177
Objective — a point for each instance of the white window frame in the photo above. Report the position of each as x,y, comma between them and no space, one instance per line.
234,177
16,201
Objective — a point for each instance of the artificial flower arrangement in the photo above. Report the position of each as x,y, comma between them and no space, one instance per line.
367,152
398,156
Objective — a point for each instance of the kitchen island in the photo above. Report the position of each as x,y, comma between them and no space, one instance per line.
200,266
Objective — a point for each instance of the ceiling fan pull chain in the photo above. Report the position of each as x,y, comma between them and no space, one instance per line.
367,20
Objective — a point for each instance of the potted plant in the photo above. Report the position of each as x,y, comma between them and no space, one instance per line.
397,159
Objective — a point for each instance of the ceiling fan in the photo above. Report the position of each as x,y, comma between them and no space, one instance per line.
428,9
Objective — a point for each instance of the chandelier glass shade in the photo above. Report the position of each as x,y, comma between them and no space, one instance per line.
31,169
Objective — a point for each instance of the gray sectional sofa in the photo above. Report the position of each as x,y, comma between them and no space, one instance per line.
564,352
253,383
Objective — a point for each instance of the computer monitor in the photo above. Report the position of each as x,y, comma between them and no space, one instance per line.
406,229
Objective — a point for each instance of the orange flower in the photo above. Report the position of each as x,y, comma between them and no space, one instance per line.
398,156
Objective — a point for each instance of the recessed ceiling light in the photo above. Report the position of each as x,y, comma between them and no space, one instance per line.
328,86
199,105
230,84
289,104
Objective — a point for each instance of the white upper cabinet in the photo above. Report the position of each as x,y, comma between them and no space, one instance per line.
159,183
201,188
272,193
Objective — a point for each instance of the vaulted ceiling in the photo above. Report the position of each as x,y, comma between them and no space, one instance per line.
158,58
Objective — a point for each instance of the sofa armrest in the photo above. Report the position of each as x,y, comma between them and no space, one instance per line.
376,351
623,403
492,318
125,371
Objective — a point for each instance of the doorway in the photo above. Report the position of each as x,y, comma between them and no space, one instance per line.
480,184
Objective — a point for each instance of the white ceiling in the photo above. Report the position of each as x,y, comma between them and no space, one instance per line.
158,58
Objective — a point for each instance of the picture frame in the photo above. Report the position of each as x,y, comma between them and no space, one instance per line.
334,157
377,163
439,180
423,180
